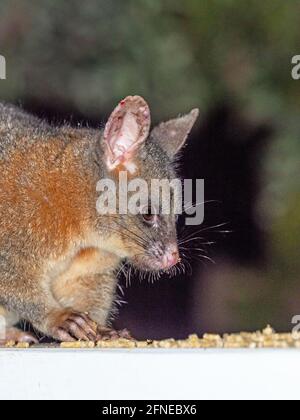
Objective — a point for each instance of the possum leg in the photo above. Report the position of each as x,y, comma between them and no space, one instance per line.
92,295
39,307
89,287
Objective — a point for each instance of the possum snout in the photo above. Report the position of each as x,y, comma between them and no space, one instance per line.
171,257
167,258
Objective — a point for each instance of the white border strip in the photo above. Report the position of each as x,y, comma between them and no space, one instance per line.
149,374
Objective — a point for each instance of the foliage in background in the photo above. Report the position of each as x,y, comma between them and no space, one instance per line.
176,53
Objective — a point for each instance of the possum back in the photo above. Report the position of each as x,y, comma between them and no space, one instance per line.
18,129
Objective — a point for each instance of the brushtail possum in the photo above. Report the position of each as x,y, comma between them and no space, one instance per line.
59,257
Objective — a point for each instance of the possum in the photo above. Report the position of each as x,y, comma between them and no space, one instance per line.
59,257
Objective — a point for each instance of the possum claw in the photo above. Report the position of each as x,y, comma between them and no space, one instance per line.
73,326
17,336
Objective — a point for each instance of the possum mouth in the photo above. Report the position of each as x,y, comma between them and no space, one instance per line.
150,265
146,264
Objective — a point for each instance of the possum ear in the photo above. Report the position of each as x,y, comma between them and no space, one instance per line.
173,134
127,128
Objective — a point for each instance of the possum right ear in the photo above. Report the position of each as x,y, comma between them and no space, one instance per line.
126,130
172,135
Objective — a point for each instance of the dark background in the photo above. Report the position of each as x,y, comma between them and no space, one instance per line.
75,60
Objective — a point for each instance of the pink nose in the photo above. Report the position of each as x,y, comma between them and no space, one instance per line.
171,258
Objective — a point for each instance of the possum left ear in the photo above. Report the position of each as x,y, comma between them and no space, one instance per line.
126,130
173,134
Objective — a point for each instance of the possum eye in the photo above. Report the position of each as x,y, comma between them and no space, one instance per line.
149,218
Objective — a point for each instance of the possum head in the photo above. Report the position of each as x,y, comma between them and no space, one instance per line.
130,148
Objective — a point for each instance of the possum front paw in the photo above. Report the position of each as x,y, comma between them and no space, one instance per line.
17,336
71,326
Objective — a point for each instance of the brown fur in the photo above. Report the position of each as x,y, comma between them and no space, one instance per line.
48,216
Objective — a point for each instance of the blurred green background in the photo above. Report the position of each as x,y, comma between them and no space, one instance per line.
75,60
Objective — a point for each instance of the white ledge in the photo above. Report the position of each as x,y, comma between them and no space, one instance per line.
149,374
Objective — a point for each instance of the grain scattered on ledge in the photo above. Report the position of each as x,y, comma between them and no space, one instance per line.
267,338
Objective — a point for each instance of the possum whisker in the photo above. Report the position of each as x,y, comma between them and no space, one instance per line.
142,245
203,203
187,241
132,234
145,232
207,229
198,256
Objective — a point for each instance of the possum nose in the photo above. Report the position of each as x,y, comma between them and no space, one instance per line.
171,258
